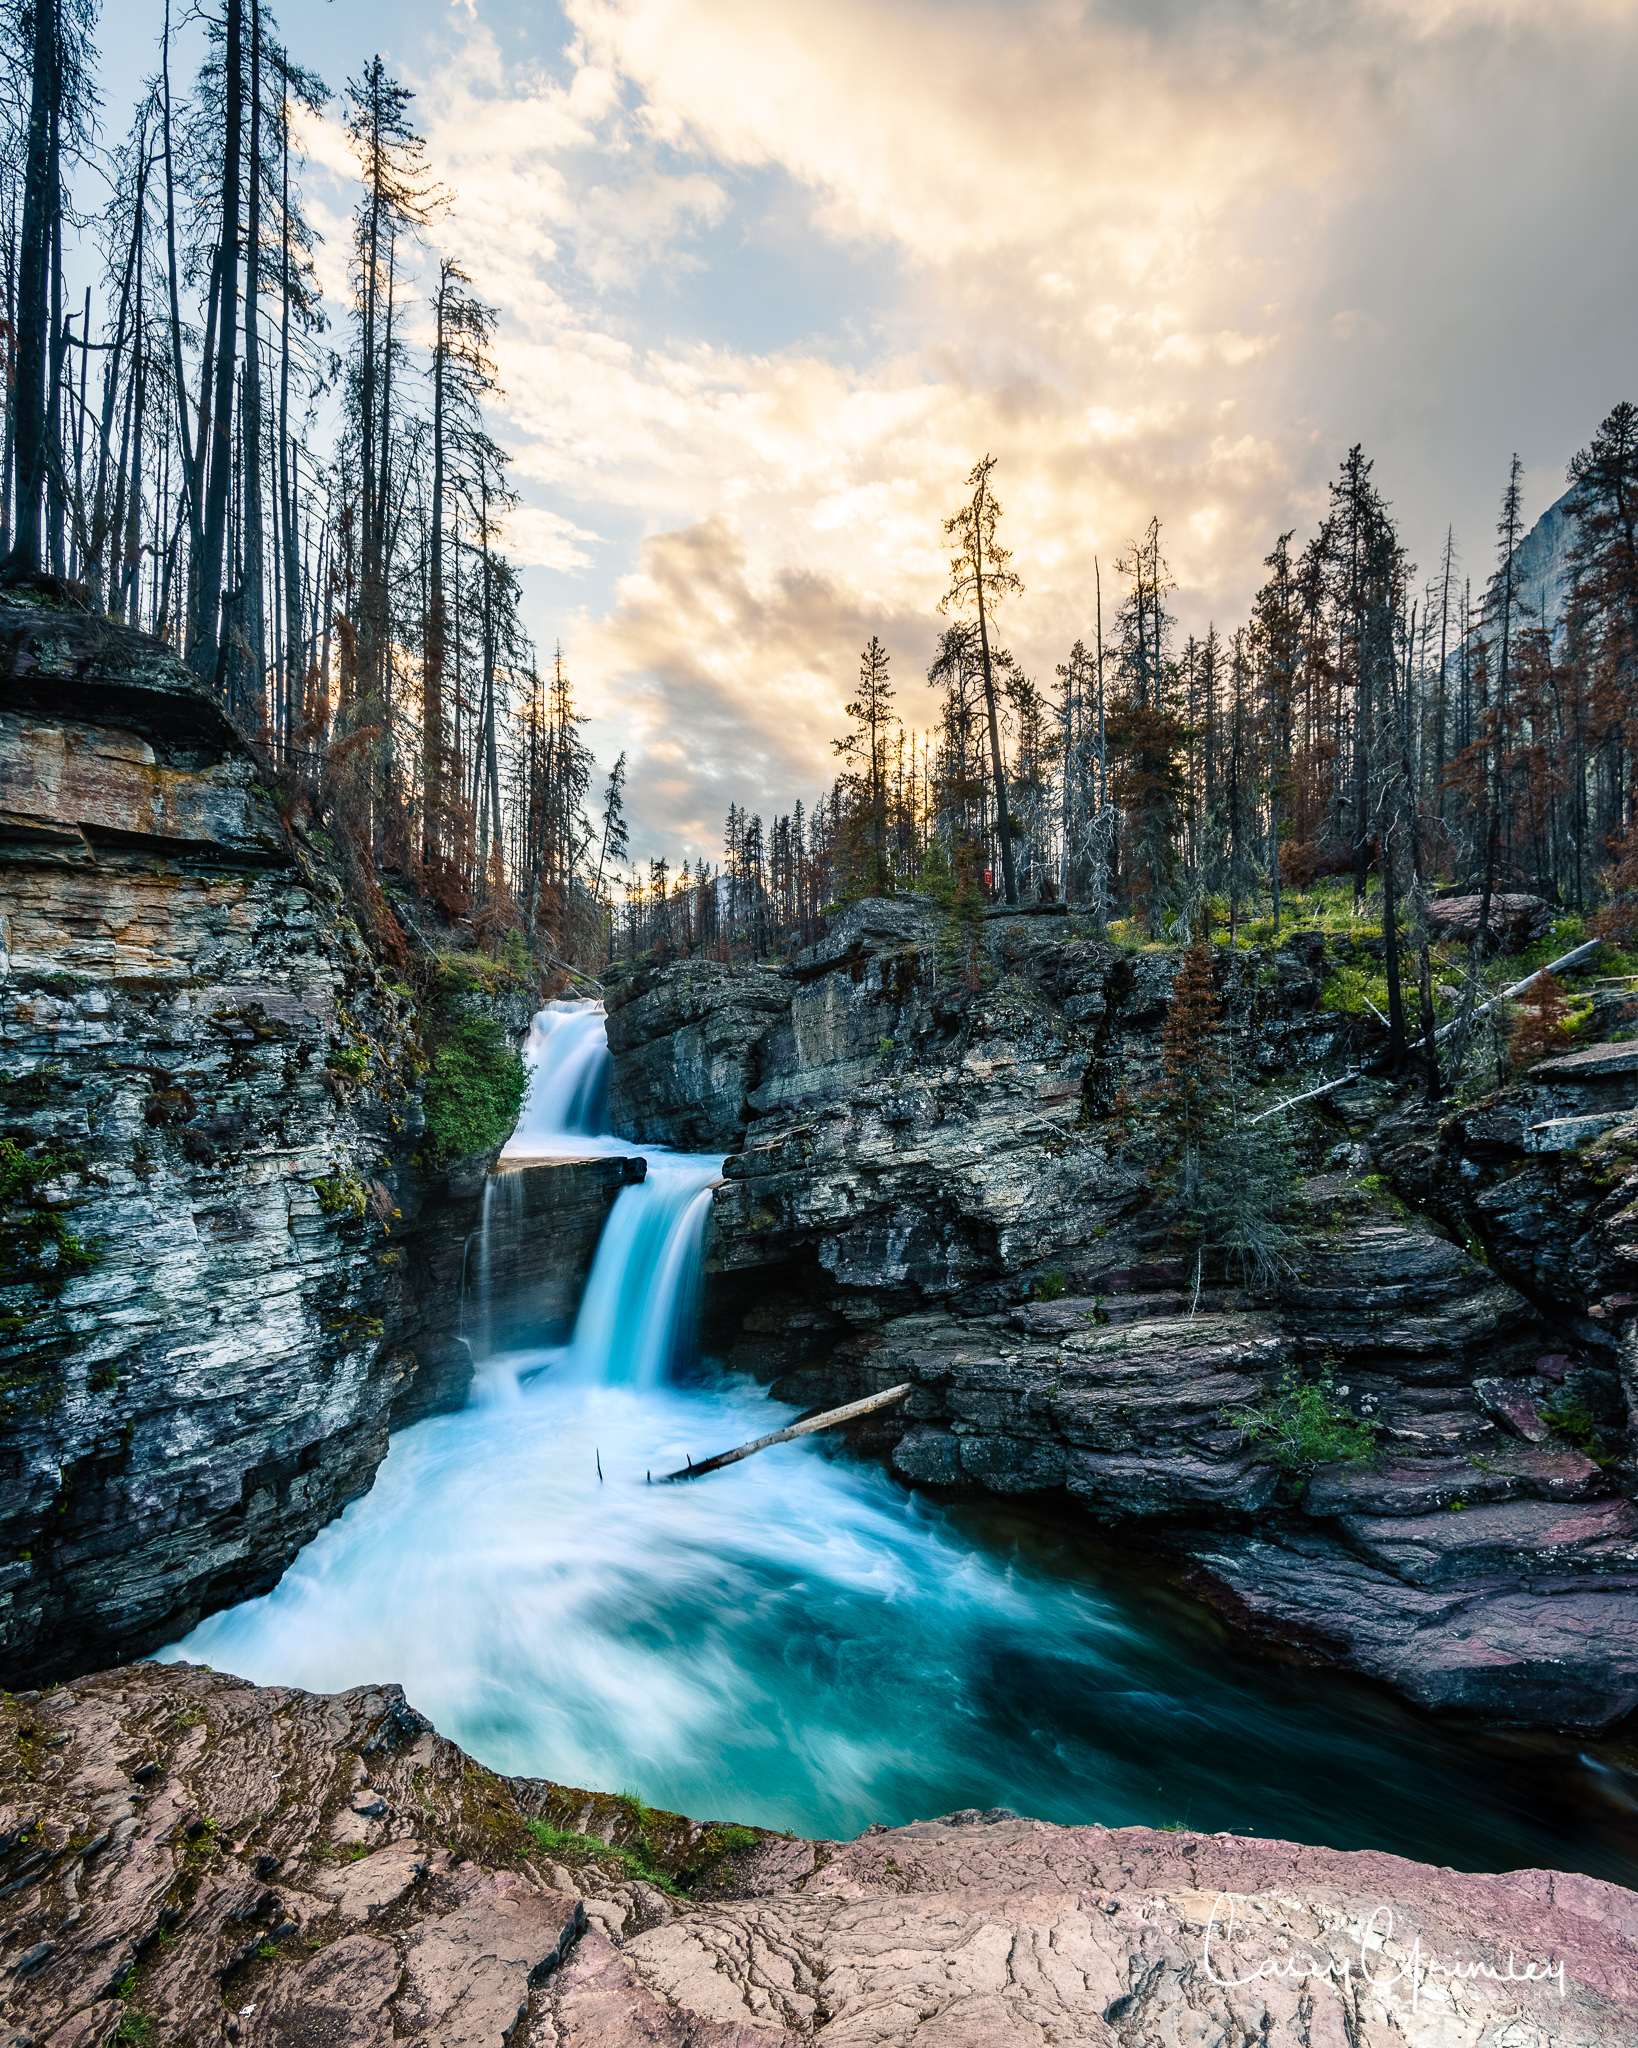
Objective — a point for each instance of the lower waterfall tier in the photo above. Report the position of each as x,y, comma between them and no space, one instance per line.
800,1643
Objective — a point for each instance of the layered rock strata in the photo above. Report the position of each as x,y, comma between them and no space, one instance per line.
186,1858
921,1155
686,1042
225,1271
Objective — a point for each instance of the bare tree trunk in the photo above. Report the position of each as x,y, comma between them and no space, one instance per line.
206,654
253,609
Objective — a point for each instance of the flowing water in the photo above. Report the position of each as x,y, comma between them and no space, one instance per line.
799,1642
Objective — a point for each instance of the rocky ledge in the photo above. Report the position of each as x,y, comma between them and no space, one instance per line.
187,1859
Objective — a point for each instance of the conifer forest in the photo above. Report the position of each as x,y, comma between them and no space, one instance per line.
305,500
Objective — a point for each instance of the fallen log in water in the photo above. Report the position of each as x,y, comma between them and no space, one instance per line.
828,1420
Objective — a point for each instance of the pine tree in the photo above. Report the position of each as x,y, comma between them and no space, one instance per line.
980,579
866,750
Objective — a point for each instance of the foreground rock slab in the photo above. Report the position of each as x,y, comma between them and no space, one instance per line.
185,1858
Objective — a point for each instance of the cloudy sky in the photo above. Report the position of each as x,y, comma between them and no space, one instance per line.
772,274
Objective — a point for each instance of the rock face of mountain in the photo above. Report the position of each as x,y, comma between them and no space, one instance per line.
686,1043
185,1857
223,1271
949,1185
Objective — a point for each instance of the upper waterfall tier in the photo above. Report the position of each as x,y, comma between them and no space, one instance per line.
567,1108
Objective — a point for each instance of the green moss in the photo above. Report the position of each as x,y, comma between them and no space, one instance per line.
474,1092
36,1245
465,974
1350,991
342,1194
351,1060
564,1842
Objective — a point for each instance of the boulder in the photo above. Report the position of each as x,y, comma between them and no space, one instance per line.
1516,921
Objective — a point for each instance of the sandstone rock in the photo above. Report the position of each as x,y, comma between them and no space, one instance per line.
977,1930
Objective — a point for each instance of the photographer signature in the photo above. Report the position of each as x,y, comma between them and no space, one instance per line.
1372,1965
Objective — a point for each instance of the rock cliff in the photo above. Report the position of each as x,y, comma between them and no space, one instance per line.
923,1160
226,1264
185,1858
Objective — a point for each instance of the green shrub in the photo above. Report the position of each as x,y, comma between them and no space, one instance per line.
351,1060
1049,1286
475,1090
1305,1425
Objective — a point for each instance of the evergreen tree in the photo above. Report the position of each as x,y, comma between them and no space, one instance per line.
979,580
866,749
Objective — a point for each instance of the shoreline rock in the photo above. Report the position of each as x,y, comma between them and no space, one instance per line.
267,1865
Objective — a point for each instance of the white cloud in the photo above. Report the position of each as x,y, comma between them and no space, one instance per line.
1161,263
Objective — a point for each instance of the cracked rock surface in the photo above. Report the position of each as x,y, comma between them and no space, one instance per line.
225,1268
187,1859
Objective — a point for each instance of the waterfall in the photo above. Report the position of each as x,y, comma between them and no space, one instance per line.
566,1112
798,1640
637,1321
500,1222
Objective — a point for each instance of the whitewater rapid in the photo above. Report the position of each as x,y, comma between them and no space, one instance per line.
798,1641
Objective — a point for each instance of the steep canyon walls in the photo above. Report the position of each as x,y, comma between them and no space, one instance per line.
228,1261
943,1175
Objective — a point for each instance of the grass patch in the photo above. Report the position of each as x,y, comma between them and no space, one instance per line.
565,1842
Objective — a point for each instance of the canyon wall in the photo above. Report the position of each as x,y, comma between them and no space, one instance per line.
228,1264
945,1179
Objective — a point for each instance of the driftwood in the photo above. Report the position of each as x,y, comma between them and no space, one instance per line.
828,1420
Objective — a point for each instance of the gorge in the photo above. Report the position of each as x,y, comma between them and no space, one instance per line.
1048,1583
